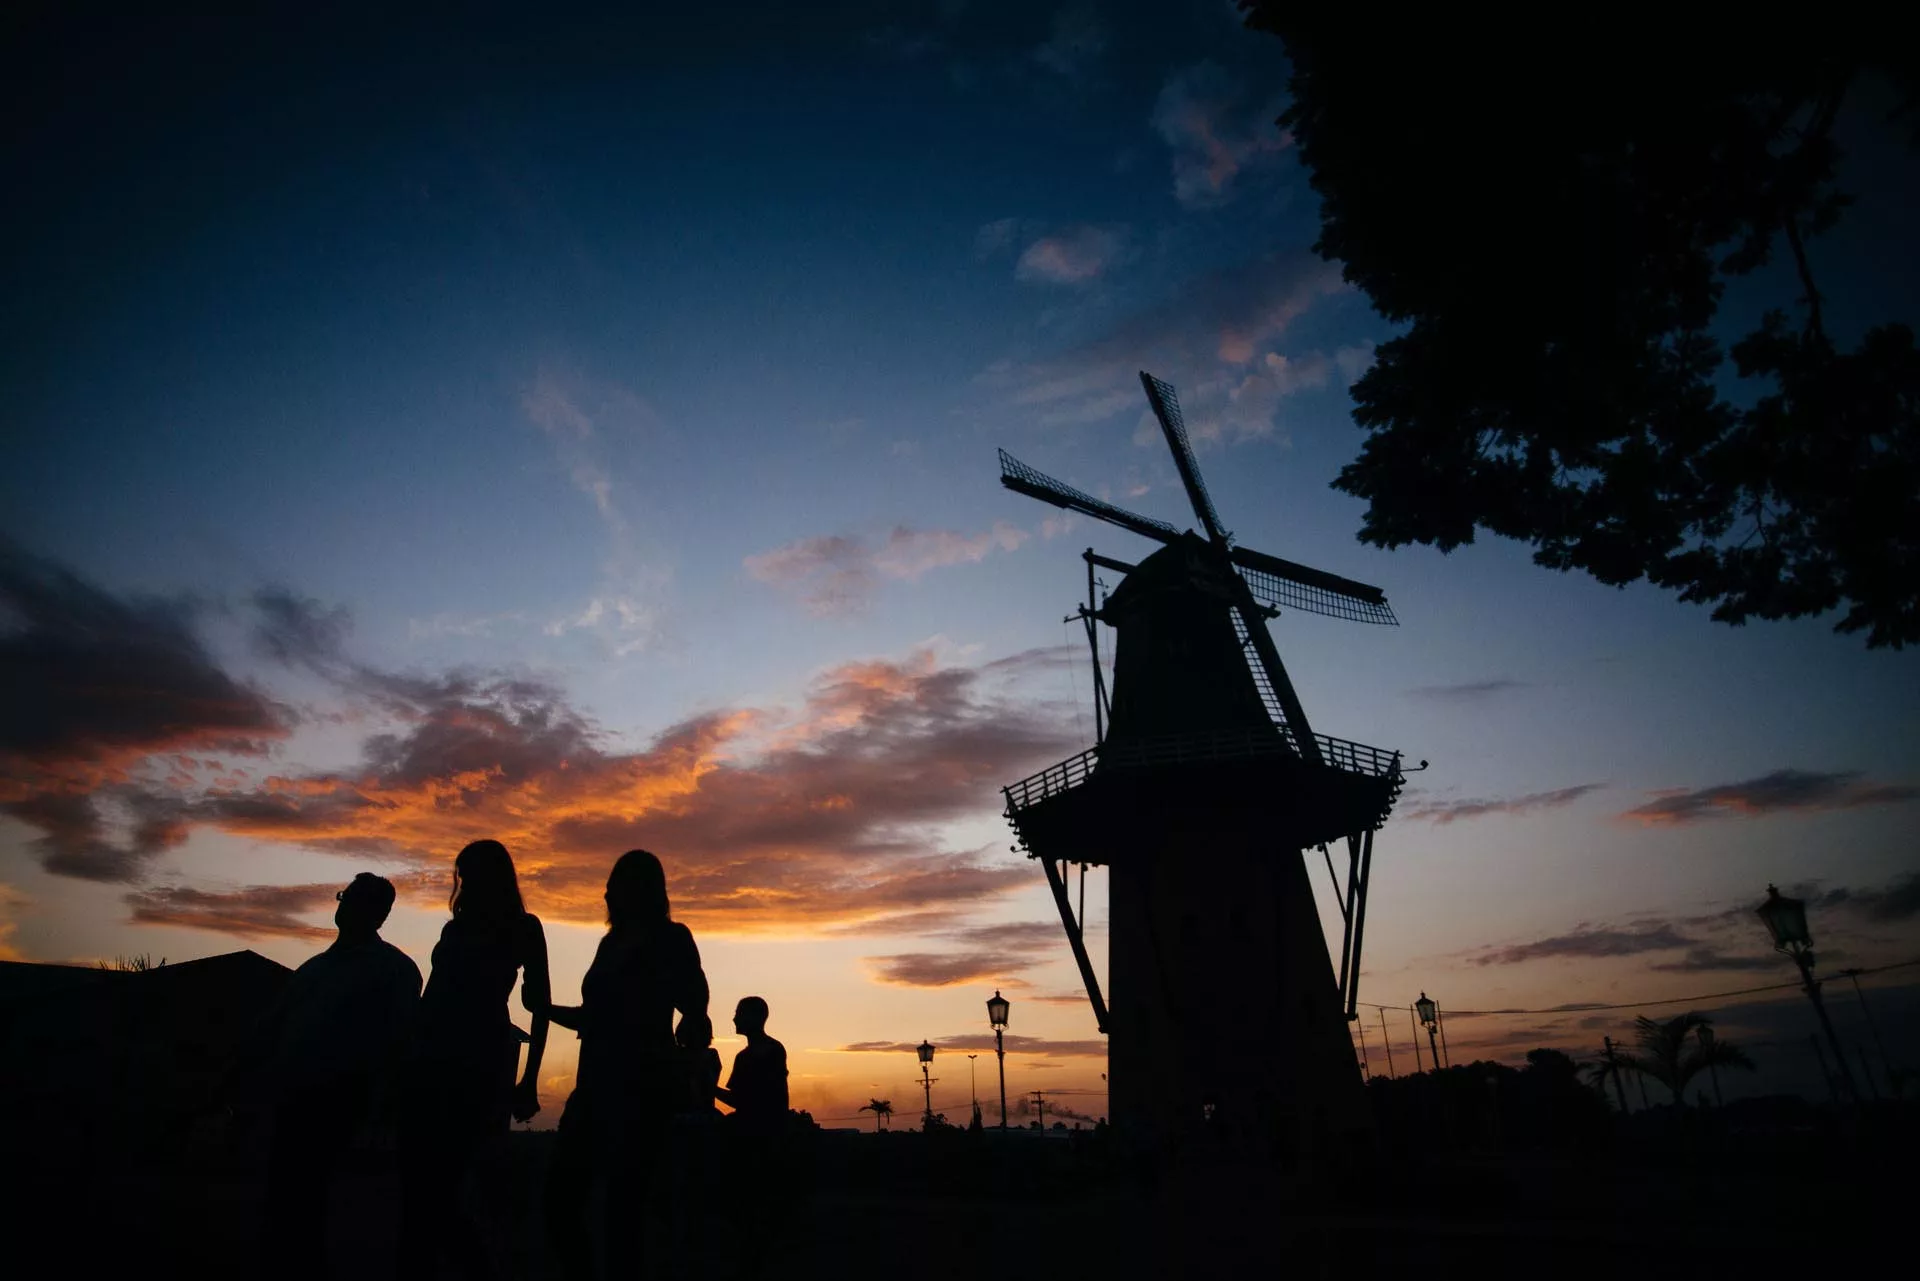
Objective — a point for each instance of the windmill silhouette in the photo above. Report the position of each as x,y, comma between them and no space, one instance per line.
1205,783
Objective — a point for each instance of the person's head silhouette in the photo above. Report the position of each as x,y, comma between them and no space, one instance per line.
637,892
484,884
750,1016
364,905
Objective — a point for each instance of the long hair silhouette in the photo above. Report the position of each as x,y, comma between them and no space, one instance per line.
637,892
484,883
632,1079
462,1094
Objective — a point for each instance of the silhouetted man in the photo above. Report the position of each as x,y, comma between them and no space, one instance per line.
756,1089
338,1032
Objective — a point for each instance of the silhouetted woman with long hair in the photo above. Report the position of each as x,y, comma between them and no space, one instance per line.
631,1077
462,1091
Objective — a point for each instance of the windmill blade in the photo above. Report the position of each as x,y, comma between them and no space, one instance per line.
1166,407
1022,479
1285,585
1270,677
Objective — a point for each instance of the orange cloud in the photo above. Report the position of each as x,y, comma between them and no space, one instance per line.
1780,791
767,820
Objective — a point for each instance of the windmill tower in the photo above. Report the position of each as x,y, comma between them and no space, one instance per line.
1227,1023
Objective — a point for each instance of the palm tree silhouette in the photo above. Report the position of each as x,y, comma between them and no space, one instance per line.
881,1109
1603,1071
1672,1053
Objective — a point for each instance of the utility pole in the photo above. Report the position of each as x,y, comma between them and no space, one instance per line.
1040,1107
1613,1070
1388,1042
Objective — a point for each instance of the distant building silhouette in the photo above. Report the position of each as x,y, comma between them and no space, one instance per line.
100,1064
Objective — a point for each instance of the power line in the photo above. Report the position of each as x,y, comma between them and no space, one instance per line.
1634,1005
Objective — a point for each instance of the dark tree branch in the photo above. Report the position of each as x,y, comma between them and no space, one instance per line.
1814,328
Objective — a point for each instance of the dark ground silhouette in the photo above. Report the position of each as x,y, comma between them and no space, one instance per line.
1767,1185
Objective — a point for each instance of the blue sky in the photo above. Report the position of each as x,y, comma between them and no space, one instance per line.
662,367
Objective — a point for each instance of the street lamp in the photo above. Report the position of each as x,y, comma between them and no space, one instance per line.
973,1088
925,1051
1428,1012
997,1008
1786,920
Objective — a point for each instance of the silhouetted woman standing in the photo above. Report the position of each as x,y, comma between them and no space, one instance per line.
631,1077
461,1079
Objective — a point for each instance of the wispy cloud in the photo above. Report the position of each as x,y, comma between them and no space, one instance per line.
1588,942
990,953
1354,361
441,625
1216,339
258,911
1073,255
578,416
1203,116
1037,1046
1724,941
1699,960
942,969
1467,691
1782,791
1898,900
837,574
1439,811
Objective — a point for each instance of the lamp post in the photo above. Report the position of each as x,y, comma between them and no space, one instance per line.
973,1088
925,1051
997,1009
1786,920
1426,1010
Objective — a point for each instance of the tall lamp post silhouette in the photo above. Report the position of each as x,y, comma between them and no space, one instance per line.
973,1088
1786,920
1426,1010
925,1051
997,1009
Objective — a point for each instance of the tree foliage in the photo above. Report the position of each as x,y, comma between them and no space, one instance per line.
1674,1051
882,1110
1556,225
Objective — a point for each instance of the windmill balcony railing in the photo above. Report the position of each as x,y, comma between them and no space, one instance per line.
1196,748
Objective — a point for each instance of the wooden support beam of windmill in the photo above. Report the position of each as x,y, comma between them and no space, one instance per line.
1076,940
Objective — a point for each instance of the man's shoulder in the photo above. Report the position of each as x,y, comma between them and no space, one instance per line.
315,966
767,1051
401,964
